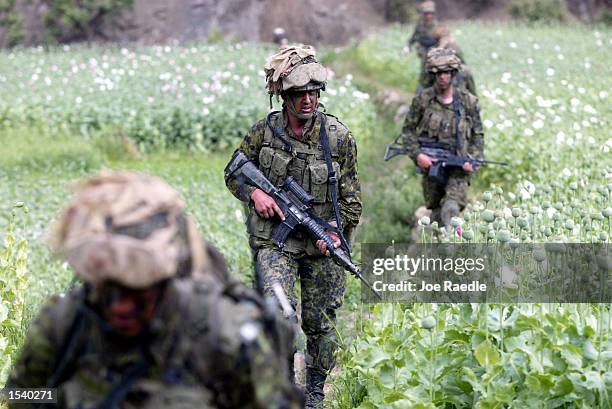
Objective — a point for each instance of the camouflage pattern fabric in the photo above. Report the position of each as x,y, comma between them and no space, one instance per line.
322,287
322,281
204,349
423,34
428,117
308,168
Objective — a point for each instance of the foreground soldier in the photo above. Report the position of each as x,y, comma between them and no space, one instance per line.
447,115
423,36
157,324
291,143
464,78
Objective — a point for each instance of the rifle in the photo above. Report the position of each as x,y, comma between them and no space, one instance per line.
442,155
295,203
444,159
395,149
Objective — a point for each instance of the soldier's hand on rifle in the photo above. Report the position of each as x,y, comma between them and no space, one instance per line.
265,205
424,161
323,247
467,166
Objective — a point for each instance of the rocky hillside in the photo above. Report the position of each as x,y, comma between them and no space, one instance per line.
310,21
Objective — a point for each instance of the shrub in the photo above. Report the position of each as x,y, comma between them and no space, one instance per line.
539,10
13,260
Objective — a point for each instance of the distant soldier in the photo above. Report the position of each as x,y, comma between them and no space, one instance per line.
157,322
464,78
279,36
444,114
423,36
320,153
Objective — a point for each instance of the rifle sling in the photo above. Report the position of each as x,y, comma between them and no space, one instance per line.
333,180
457,107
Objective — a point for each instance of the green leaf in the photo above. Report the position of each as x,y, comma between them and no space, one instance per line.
589,351
487,354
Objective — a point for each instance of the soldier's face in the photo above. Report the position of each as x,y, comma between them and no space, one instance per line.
128,311
428,17
443,80
305,102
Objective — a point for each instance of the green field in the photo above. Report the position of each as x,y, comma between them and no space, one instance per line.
178,111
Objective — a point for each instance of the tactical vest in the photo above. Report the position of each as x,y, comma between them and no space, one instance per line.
438,122
92,372
306,164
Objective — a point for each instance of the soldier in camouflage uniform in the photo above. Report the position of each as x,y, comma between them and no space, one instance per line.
464,78
451,116
158,322
423,36
288,143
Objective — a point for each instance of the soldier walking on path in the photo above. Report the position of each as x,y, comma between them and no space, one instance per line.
423,36
296,142
447,116
157,323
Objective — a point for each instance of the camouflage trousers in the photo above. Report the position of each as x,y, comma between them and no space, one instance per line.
322,288
445,200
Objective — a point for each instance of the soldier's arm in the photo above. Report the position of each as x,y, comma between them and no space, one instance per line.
476,145
349,187
254,365
35,364
415,35
409,137
250,146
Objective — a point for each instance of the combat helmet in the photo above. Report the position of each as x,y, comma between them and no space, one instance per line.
442,59
294,68
128,228
427,7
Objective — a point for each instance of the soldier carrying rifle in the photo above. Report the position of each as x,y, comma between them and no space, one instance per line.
443,118
320,155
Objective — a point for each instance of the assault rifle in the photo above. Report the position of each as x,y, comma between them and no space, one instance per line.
295,203
442,156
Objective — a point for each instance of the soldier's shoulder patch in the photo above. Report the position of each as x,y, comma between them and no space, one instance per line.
335,125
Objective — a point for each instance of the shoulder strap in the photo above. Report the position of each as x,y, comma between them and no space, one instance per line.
458,108
278,133
71,346
333,180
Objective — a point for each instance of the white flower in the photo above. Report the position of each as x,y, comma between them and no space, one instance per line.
566,172
538,124
574,101
530,61
536,46
603,94
512,44
488,123
560,137
581,90
528,132
78,100
550,72
494,56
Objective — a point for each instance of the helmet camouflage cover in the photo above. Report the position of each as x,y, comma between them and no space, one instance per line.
129,228
442,59
427,7
294,68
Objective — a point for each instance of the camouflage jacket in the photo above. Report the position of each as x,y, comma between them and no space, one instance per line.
430,118
206,347
423,37
307,165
